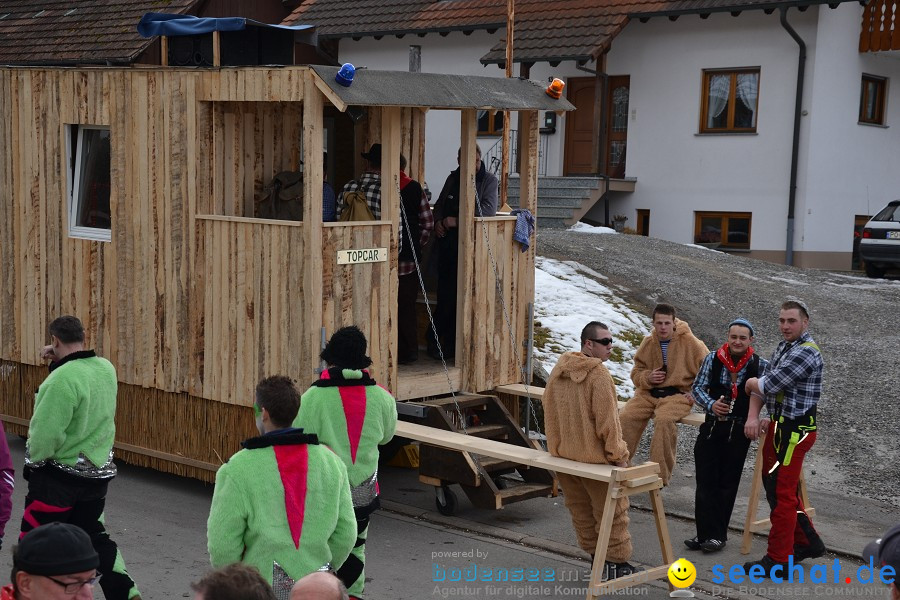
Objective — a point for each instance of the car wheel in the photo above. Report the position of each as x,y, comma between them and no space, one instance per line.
873,271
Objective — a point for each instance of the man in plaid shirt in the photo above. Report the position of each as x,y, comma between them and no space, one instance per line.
791,386
369,182
416,223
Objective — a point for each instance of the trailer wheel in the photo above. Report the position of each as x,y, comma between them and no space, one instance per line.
448,507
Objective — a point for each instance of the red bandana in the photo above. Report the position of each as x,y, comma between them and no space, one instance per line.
725,356
404,180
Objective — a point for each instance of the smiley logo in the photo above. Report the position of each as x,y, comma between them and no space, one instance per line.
682,573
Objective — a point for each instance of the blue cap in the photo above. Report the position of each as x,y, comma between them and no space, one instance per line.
743,323
345,74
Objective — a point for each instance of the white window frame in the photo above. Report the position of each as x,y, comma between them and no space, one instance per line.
74,175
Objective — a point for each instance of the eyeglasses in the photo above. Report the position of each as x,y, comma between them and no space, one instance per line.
72,588
603,342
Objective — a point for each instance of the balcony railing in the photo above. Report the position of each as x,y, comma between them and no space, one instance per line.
880,31
493,157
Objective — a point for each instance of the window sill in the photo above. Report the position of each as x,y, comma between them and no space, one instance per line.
721,133
92,234
878,125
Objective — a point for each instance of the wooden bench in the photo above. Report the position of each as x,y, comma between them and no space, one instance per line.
751,523
621,482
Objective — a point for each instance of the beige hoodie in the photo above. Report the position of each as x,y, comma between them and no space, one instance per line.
685,354
581,415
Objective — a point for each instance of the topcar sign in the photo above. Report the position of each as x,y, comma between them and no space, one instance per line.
364,255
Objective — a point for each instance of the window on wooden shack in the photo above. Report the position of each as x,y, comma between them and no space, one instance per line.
88,177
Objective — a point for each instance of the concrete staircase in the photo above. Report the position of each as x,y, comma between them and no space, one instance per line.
562,201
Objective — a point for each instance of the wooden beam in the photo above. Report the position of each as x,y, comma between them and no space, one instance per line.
217,49
525,456
329,93
312,225
390,212
164,50
465,271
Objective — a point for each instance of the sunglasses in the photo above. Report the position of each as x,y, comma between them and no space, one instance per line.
603,342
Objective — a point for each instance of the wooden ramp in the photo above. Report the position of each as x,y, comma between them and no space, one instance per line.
622,482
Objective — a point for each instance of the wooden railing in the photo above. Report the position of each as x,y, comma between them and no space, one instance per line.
879,26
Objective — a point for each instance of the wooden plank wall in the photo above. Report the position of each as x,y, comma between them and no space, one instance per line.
493,359
252,303
131,293
252,142
496,330
359,294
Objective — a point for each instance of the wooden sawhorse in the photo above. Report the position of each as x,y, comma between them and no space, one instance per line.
621,482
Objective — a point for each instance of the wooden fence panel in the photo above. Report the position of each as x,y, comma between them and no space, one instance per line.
357,294
253,305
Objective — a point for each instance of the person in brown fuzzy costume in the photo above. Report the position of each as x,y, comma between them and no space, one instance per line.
665,366
581,419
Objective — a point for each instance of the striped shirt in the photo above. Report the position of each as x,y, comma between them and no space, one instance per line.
664,348
795,376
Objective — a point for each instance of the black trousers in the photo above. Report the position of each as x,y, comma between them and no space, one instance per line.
445,317
719,455
407,321
56,496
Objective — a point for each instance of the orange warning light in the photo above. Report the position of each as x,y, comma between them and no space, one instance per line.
555,89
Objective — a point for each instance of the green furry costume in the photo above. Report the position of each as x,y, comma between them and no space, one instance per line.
283,498
352,415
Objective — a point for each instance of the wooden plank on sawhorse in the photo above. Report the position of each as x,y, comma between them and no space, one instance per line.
620,482
537,393
751,523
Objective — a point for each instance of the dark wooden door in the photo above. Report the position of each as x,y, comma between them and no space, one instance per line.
580,127
617,125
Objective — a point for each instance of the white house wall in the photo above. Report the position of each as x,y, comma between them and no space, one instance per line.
458,54
851,169
678,170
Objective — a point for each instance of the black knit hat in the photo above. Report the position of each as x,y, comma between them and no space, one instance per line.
347,349
56,549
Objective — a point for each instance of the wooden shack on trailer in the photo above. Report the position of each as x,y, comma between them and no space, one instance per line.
126,198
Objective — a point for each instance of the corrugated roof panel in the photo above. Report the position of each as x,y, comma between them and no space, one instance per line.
432,90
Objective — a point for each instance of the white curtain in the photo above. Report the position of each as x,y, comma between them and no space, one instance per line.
719,89
747,91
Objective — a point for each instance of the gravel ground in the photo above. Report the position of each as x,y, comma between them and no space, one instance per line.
852,320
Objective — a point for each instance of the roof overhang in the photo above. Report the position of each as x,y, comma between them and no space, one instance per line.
434,90
737,8
421,32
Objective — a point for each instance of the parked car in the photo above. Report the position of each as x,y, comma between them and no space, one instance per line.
880,243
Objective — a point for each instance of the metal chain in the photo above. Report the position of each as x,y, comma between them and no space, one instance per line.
437,340
512,334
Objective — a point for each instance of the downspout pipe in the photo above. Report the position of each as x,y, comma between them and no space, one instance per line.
795,145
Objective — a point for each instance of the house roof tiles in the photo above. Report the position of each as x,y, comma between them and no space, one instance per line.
546,30
84,32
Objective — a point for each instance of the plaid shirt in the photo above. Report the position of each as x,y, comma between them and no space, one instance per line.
370,182
701,385
795,376
426,225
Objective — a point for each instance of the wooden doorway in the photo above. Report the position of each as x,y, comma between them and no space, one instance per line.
643,221
579,144
617,126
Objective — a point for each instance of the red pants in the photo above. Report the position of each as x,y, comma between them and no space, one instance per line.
791,525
